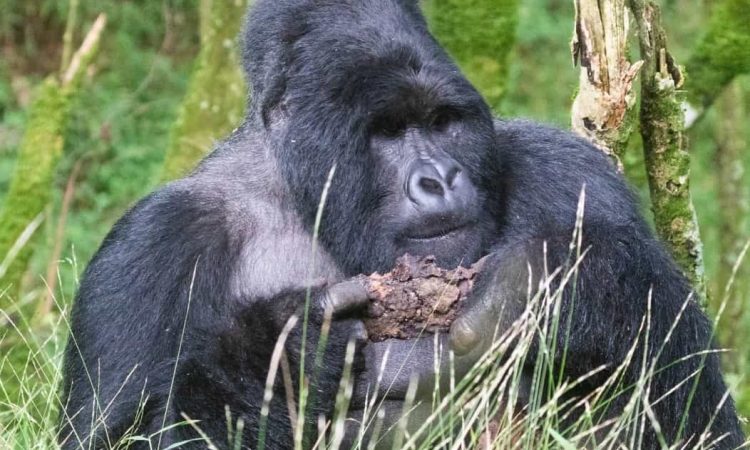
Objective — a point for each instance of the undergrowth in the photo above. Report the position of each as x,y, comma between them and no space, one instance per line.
498,404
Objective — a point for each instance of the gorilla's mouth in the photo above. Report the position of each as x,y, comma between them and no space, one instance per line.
439,235
451,242
435,232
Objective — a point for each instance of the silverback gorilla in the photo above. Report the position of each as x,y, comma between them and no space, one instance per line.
179,312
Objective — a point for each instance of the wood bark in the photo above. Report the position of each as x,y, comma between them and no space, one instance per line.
416,297
603,109
665,145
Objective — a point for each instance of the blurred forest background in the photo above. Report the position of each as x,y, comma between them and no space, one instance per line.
163,85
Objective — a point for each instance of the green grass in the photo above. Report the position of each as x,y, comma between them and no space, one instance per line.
119,134
476,411
30,371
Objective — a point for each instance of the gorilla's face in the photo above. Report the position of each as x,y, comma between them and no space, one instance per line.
428,150
411,139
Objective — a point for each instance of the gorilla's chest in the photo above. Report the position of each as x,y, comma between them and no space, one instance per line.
280,255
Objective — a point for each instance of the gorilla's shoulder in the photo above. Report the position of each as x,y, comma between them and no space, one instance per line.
552,153
547,163
225,203
537,141
158,221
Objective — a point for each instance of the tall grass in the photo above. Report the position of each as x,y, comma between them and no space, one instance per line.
499,404
30,369
505,401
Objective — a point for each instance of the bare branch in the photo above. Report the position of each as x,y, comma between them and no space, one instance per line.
81,58
70,27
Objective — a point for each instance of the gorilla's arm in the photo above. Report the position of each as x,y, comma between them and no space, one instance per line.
138,285
624,266
161,285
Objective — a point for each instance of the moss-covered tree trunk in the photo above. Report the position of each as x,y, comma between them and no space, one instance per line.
216,96
722,53
603,110
664,145
41,148
480,35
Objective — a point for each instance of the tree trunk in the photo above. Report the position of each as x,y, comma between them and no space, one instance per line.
664,146
603,109
216,96
734,213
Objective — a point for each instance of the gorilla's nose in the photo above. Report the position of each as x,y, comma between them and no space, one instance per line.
439,186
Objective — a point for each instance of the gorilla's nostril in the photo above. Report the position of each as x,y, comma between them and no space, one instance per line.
431,186
452,175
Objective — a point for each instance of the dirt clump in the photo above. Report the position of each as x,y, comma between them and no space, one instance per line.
416,297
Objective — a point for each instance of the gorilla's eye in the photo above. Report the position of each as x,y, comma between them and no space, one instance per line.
442,118
389,127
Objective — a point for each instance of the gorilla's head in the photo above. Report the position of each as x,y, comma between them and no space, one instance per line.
362,85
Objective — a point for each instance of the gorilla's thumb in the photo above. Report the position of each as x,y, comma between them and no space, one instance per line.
463,334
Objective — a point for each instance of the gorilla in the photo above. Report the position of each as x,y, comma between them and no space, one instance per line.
178,315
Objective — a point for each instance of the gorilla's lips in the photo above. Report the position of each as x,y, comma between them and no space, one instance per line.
436,233
451,243
438,227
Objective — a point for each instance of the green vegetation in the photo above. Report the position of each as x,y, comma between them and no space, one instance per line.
723,52
120,124
216,95
41,149
30,189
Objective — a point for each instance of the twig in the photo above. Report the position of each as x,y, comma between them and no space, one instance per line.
70,27
78,63
46,306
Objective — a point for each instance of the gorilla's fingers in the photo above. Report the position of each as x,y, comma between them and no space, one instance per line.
359,332
463,334
345,297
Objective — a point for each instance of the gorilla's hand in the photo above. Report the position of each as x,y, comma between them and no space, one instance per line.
343,304
344,298
334,321
498,300
340,306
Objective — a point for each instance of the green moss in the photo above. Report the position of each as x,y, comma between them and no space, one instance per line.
668,169
41,149
30,188
722,53
479,34
216,96
665,146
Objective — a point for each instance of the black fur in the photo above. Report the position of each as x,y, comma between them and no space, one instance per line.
211,267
